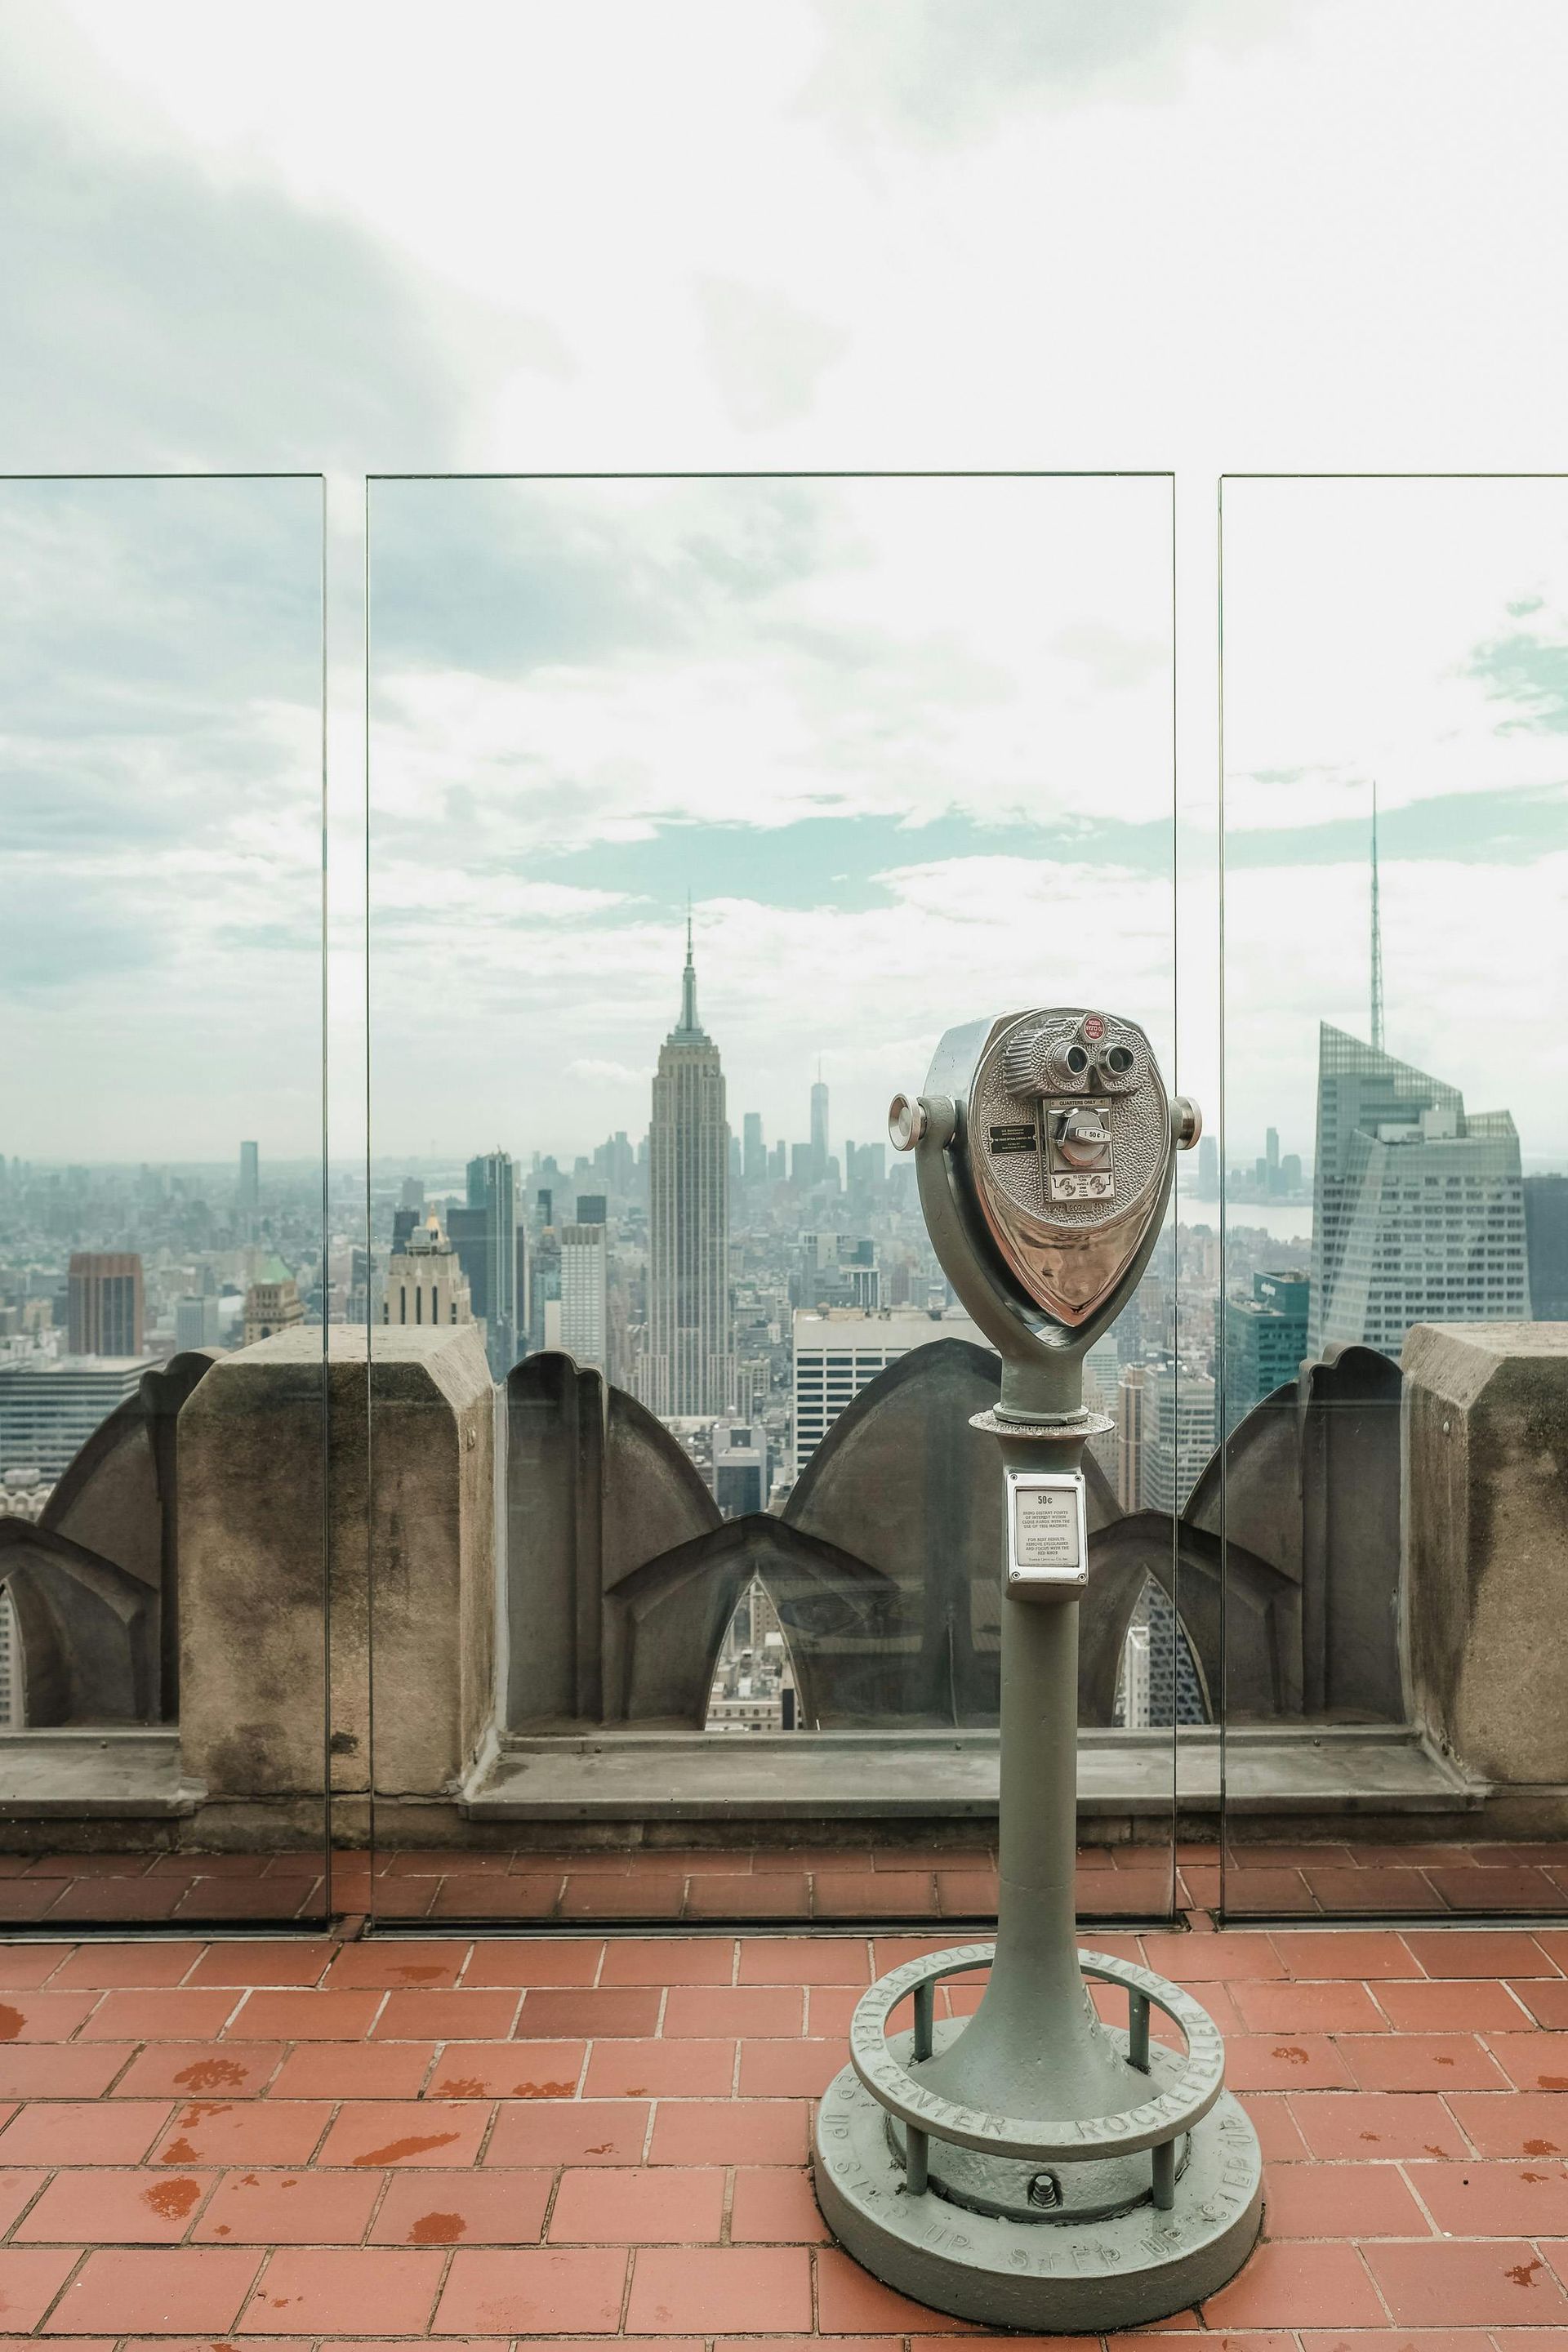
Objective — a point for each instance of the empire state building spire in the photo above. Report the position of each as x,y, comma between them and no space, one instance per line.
689,1026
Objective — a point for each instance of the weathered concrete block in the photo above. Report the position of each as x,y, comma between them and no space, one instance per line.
1485,1477
276,1455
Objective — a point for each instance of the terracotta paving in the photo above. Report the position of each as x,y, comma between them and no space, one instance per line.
484,2142
732,1885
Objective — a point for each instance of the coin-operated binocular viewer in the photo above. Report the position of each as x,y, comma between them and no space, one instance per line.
1033,2166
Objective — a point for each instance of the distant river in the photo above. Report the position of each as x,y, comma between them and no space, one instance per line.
1279,1219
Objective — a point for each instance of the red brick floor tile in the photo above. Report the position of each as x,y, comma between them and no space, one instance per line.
306,2016
1442,2282
288,2209
294,1960
667,2207
668,1960
644,1896
1118,1894
43,2070
208,1865
570,2131
47,2016
1489,1952
892,1951
873,1895
669,2070
449,2208
537,2290
1293,2007
19,2187
1521,1888
159,2016
354,2070
1449,2005
829,2007
159,2288
1545,1998
194,2070
304,2288
24,1967
1274,2061
682,2290
1395,1891
440,1861
24,1901
621,2013
391,1900
395,1963
810,1858
776,1895
1421,2062
1553,1945
266,1899
1404,2339
728,2131
101,1899
1493,2200
30,2278
1510,2123
609,1862
446,2017
966,1893
101,1966
257,2131
469,1897
1343,2201
99,2206
547,1960
789,2070
882,2342
762,2012
1278,2133
1198,1959
1296,2285
804,1961
82,2132
1533,2061
508,2070
773,2205
1320,1953
850,2302
395,2131
1388,2123
697,1862
1250,1890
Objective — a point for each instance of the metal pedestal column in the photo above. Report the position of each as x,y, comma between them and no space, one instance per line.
1032,2167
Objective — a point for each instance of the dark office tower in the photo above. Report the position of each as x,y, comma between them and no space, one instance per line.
1265,1340
104,1317
247,1200
1417,1206
754,1154
1546,1239
545,1202
818,1132
688,1367
778,1163
593,1209
492,1210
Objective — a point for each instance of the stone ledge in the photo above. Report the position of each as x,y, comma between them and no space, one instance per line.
130,1774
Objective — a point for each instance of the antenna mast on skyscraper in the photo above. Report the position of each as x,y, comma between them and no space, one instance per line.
1376,938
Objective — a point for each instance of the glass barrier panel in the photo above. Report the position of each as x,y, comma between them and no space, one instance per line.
163,1276
1393,1347
700,809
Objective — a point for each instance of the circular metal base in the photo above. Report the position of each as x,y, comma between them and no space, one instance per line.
1137,2266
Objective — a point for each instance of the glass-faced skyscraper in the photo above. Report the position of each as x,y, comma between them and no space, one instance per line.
688,1367
1418,1207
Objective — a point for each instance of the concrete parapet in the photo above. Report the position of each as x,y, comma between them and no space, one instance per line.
1485,1475
277,1452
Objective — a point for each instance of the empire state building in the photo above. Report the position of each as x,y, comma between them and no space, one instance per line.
690,1364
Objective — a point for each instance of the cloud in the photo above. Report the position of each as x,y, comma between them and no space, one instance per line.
767,354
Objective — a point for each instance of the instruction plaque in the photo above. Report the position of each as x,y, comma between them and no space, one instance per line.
1047,1535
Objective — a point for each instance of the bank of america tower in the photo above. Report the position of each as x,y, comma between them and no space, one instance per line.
688,1367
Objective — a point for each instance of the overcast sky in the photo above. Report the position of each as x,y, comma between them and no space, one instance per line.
854,721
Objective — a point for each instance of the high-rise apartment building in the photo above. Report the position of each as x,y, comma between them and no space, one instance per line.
1179,1434
1418,1208
1265,1340
1546,1243
838,1352
248,1199
689,1368
485,1236
424,1281
50,1405
586,1290
105,1304
1131,1430
755,1153
272,1303
819,1146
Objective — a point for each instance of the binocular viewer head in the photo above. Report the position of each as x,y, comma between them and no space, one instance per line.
1058,1136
